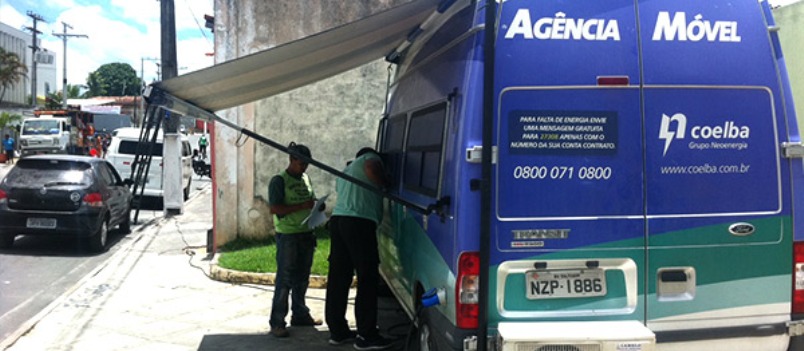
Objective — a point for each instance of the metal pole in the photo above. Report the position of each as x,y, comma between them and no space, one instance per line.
490,35
64,37
34,48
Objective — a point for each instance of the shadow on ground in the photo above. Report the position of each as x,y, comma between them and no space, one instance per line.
393,323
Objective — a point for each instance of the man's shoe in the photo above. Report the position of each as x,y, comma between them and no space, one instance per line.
280,332
343,339
375,343
305,322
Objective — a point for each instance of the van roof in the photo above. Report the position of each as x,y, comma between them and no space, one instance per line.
134,133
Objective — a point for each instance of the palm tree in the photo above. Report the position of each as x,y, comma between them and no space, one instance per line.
7,119
12,70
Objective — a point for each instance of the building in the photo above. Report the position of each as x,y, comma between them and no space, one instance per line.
19,42
790,19
335,117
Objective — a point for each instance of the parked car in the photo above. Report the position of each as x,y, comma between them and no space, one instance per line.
63,195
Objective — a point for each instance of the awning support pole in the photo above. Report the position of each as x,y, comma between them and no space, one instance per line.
165,100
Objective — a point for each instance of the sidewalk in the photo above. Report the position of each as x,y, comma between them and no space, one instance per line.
155,294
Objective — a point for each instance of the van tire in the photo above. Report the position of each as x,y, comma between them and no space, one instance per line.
425,340
187,189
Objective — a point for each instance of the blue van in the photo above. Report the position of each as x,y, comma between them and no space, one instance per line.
643,173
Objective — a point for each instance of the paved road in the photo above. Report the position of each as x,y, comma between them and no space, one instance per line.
37,270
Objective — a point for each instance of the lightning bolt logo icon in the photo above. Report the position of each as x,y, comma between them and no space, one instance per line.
667,135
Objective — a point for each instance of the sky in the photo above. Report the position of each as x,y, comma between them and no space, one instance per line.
123,31
118,31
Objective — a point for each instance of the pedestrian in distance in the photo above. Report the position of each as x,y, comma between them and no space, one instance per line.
291,199
202,145
353,248
8,147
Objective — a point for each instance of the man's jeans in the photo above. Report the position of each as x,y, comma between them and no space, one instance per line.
294,257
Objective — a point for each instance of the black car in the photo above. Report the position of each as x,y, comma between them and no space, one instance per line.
61,195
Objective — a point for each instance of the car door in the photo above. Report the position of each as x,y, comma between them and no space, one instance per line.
114,192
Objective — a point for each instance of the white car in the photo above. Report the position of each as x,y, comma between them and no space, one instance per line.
123,149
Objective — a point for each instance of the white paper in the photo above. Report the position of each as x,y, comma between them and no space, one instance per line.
317,216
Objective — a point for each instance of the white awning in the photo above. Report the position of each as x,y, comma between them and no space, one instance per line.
299,62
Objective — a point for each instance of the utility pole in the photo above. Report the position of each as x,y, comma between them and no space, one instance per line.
34,48
172,175
64,37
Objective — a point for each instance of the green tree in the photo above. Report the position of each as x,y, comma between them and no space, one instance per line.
113,79
7,119
12,70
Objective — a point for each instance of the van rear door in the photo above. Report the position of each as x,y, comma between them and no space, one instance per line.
718,204
568,236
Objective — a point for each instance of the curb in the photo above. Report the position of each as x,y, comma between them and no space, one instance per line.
226,275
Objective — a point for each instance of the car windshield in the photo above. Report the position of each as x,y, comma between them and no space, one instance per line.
40,127
49,173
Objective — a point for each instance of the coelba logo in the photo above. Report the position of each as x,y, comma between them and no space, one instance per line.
729,130
562,28
697,30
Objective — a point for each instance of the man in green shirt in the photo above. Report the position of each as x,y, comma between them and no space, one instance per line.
353,248
291,198
202,145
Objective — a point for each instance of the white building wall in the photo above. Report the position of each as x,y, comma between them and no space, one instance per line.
19,42
12,42
790,19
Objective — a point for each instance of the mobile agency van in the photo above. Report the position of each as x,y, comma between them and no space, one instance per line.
123,149
642,189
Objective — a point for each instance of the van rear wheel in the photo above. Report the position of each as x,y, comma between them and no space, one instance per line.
426,341
187,189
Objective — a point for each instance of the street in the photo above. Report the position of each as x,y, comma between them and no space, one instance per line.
37,270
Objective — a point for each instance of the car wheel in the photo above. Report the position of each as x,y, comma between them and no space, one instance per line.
125,225
97,242
6,241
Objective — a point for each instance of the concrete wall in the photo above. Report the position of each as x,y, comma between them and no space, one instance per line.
334,117
790,19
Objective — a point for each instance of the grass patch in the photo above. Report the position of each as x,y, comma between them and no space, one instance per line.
259,255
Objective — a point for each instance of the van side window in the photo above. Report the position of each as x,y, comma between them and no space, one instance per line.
392,146
128,147
423,150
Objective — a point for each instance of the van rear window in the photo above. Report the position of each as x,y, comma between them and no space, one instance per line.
130,148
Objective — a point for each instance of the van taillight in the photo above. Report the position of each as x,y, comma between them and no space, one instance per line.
467,289
798,277
3,196
93,200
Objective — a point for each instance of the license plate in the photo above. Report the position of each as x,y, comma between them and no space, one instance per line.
565,283
44,223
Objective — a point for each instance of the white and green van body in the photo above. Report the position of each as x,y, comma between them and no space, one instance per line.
646,178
